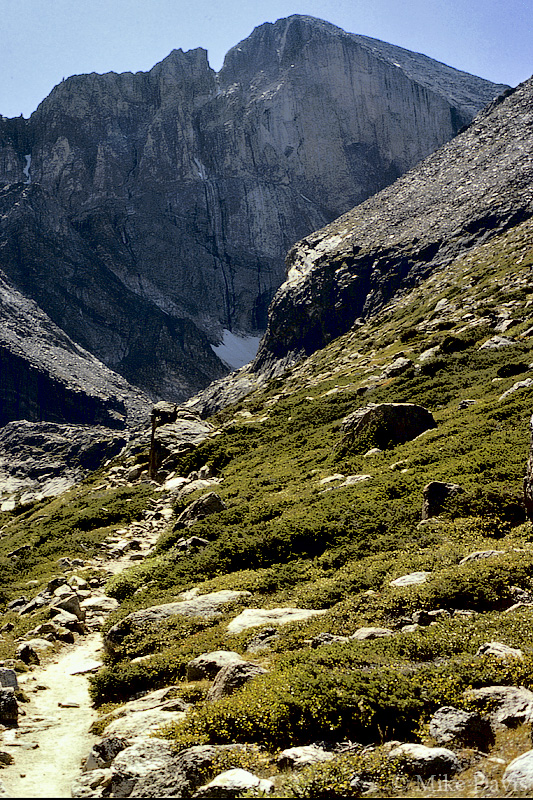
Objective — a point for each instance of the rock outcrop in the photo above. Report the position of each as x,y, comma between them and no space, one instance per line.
148,214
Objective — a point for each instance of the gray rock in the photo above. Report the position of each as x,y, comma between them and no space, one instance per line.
499,650
394,423
417,759
479,555
103,753
412,579
9,710
8,678
299,757
204,506
464,728
173,439
263,640
144,759
27,654
327,638
509,705
177,774
435,495
208,665
207,605
232,677
71,604
253,617
92,784
233,783
398,367
497,342
527,383
362,634
191,545
99,603
140,724
518,776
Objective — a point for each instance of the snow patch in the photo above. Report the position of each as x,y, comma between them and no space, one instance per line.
26,169
236,350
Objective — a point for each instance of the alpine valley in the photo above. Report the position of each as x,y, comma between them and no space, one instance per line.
313,576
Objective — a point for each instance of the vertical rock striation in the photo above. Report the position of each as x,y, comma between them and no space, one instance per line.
158,206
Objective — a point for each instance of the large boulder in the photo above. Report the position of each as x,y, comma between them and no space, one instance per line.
412,579
388,423
419,760
205,605
435,495
362,634
8,678
71,604
518,776
233,783
510,705
300,757
204,506
464,728
104,752
499,650
141,724
254,617
232,677
208,665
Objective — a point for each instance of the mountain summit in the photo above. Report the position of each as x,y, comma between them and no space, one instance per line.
148,214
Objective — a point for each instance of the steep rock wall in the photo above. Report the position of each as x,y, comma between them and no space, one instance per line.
189,186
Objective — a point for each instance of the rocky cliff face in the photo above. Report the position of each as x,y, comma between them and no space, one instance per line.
153,210
468,191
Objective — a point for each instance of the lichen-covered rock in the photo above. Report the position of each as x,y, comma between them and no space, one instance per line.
103,753
363,634
412,579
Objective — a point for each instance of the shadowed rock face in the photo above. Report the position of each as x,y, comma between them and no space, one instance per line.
154,210
473,188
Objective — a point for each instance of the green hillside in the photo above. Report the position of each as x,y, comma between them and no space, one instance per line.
294,539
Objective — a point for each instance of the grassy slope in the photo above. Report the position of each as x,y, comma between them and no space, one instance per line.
290,542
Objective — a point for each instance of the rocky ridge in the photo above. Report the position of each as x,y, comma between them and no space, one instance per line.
123,184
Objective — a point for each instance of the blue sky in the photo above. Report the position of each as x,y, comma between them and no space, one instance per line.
43,41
